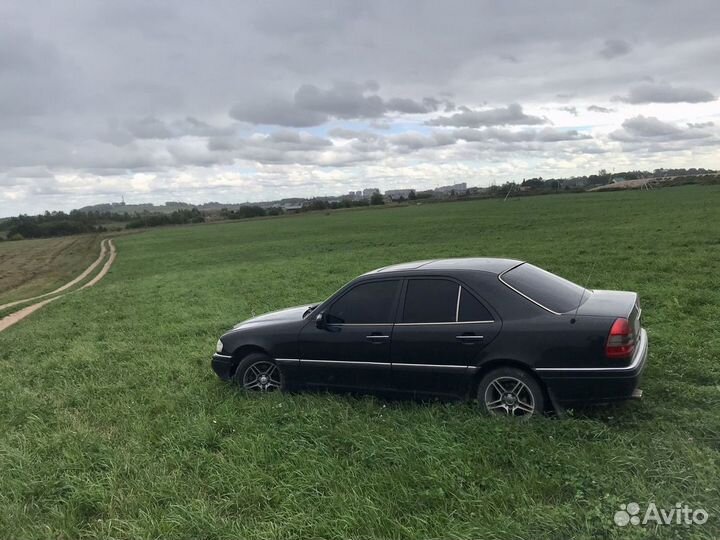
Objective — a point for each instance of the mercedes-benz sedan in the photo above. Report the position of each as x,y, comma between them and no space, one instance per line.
517,338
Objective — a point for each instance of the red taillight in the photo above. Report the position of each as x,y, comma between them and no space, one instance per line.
621,340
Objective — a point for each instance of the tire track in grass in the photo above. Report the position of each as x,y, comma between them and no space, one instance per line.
13,318
86,273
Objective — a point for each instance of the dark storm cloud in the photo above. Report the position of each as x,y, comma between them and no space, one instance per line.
665,93
503,116
614,48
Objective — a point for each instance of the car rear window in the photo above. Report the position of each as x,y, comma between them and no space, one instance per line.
550,291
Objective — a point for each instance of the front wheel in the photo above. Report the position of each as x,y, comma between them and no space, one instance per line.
258,372
510,391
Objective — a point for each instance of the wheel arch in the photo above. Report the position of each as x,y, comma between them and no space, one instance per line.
243,351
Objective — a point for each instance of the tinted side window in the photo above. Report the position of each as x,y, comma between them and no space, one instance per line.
471,309
367,303
549,290
430,300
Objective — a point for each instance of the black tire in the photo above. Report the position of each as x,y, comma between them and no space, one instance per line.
257,372
522,395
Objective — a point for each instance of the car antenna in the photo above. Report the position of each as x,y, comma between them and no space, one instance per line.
582,296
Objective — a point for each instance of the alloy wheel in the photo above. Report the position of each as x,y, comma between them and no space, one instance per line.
510,397
262,376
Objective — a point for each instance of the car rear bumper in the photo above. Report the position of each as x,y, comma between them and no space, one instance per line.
587,385
223,365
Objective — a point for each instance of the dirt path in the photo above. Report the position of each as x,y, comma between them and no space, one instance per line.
87,272
7,322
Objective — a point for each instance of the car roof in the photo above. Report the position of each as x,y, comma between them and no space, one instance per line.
479,264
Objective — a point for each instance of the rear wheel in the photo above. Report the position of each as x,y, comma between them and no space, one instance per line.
258,372
508,391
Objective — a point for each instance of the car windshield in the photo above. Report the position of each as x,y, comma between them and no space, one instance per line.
550,291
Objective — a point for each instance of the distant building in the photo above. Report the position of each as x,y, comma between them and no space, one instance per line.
292,208
369,192
457,189
398,194
575,183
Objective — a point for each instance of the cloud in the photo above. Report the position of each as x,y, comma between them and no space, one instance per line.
342,100
701,125
545,135
314,106
344,133
569,109
614,48
599,109
644,128
664,93
149,128
277,111
511,115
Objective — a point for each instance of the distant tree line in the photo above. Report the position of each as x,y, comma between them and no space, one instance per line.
52,224
250,211
178,217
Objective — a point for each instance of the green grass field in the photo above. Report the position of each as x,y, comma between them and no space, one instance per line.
112,424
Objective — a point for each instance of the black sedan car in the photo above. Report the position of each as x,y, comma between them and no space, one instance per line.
517,338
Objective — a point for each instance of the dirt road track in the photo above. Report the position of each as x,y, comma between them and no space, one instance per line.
7,322
87,272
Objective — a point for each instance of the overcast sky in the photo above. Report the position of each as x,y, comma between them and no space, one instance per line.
247,101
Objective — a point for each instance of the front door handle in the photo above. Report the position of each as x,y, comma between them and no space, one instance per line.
377,339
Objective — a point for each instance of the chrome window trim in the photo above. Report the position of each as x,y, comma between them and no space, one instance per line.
522,294
638,358
457,306
444,323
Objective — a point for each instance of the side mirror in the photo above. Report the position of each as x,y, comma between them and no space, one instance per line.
320,320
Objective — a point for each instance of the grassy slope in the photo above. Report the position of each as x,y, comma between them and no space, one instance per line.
32,267
113,424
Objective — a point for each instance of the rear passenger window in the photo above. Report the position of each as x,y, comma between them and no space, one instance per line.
430,301
471,309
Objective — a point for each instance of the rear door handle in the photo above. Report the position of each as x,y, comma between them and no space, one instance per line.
469,339
377,339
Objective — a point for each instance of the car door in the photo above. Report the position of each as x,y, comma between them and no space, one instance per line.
351,348
441,331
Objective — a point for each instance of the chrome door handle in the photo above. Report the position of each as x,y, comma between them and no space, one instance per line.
469,338
376,338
